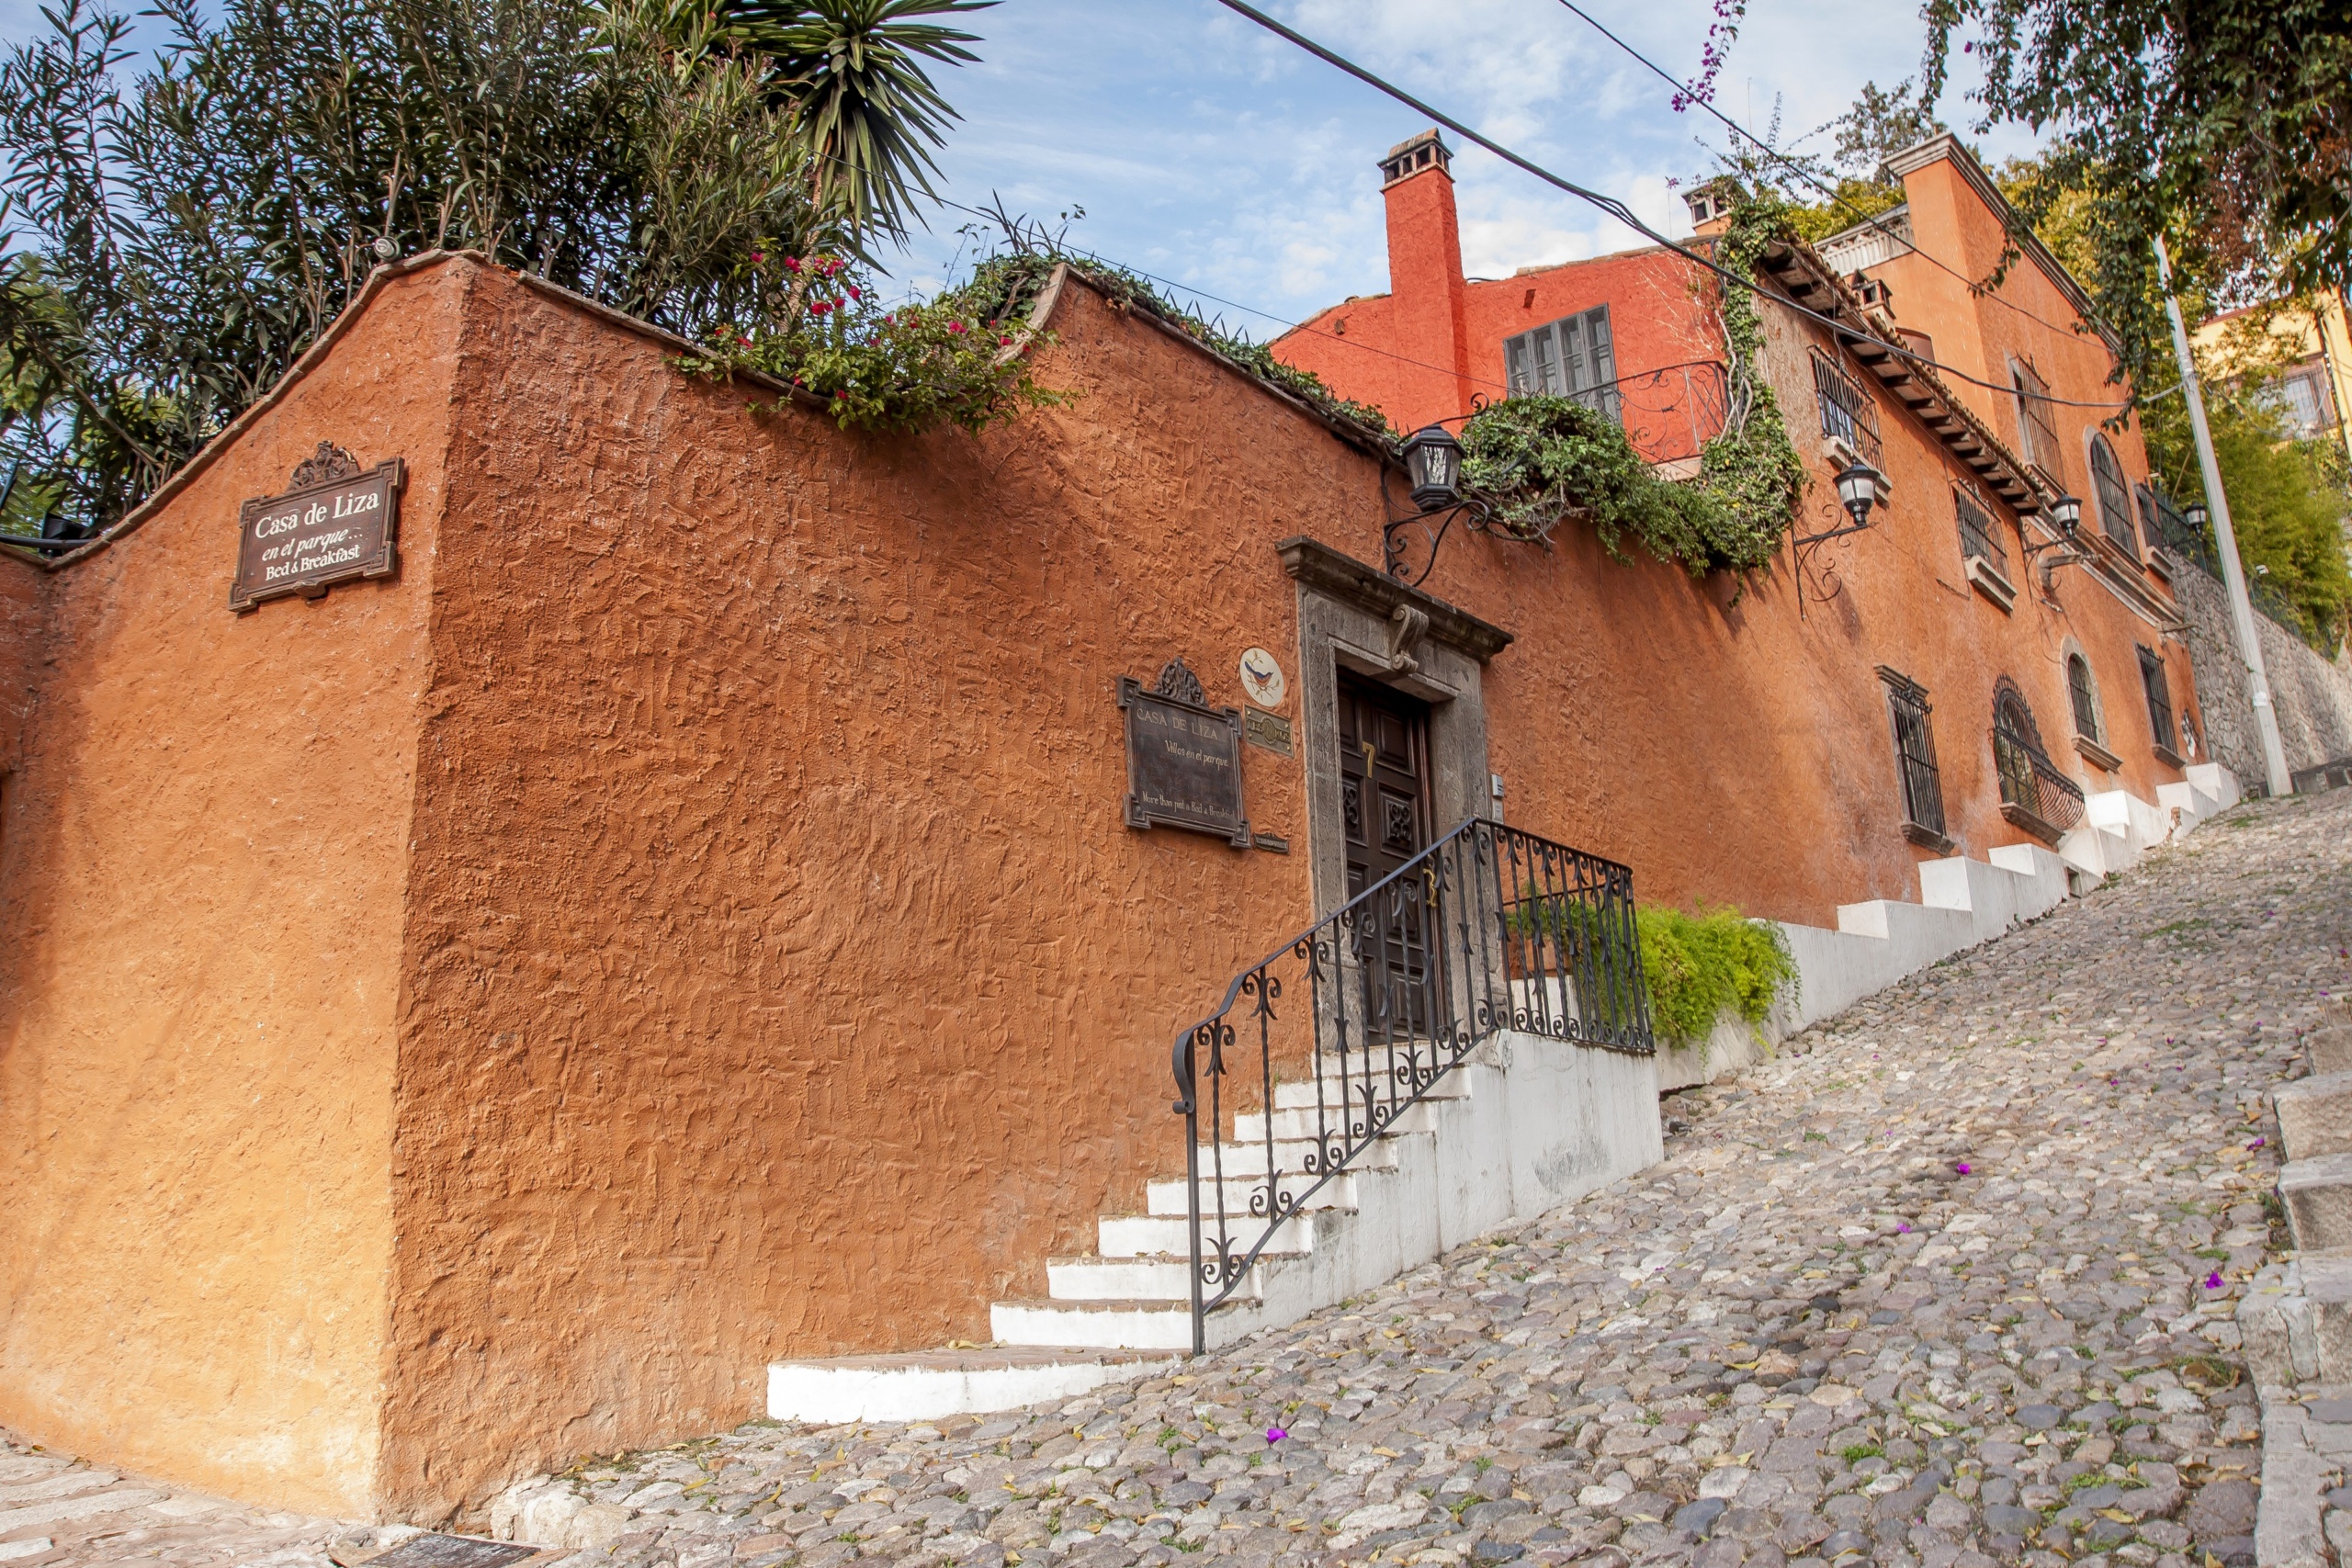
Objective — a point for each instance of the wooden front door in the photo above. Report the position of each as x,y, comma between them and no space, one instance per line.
1384,780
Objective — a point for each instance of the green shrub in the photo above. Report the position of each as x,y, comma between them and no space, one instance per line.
1697,965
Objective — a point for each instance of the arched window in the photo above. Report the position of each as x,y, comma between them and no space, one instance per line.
2114,494
2035,796
2085,699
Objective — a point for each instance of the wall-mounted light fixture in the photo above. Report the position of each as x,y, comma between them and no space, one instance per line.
1858,488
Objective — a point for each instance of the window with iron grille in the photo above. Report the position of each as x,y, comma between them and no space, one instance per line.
2152,677
1572,357
1977,536
2037,432
1915,753
2085,697
1847,412
2114,495
2035,796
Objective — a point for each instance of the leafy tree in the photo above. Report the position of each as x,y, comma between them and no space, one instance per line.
859,97
2223,124
170,244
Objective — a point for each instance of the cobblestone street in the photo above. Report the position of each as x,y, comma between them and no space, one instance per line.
1949,1281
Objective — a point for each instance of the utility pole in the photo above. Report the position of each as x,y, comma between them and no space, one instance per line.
2225,540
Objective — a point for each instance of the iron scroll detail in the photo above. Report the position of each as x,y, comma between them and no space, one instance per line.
1318,1048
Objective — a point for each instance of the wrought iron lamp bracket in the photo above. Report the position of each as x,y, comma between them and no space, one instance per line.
1818,580
1397,548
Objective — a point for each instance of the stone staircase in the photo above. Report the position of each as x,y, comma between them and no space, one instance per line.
2298,1326
1525,1123
2119,827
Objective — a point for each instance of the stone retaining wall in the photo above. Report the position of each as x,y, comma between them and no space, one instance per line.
2313,695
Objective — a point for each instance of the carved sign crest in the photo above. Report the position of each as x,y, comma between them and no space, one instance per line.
339,522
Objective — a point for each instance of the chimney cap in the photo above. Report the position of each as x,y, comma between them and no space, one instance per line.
1412,155
1711,203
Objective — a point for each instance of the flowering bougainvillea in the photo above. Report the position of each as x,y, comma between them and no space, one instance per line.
907,368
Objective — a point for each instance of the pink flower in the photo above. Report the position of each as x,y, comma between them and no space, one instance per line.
1903,1230
819,306
1961,1166
854,293
2213,1280
955,327
2255,1144
1006,340
745,341
1275,1435
758,256
792,264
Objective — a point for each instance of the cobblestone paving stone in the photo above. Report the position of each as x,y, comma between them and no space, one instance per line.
55,1508
1949,1281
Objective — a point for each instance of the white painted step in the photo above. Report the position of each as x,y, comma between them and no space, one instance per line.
1105,1325
1302,1125
1170,1197
1170,1236
1299,1093
1291,1155
1120,1279
927,1384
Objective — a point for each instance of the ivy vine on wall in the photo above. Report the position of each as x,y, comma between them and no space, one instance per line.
1540,461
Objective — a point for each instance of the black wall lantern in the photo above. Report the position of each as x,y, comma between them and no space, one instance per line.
1857,490
1433,460
2065,514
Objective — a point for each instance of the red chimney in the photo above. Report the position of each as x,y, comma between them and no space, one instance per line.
1425,280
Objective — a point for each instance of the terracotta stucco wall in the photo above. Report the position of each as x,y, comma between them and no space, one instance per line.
783,981
1659,719
2028,319
1368,349
200,918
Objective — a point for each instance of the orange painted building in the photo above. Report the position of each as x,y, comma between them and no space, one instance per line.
686,915
1999,415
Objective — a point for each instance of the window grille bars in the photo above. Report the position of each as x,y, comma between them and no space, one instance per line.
1978,535
2114,496
2039,433
1915,753
2085,700
1847,412
1318,1048
2160,720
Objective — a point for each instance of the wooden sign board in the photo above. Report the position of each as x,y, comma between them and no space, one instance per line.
1183,757
336,524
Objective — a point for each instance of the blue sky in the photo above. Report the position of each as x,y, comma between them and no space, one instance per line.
1212,154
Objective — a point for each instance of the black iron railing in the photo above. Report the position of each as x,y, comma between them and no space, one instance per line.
1318,1048
2167,525
2032,784
1669,413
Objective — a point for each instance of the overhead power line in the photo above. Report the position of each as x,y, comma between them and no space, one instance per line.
1625,215
1802,172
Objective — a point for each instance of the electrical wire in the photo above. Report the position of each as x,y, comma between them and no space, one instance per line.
1236,305
1625,215
1807,176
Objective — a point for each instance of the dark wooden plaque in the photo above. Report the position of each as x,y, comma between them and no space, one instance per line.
1183,757
339,522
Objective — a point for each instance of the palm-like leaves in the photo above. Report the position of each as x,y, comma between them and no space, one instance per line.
861,101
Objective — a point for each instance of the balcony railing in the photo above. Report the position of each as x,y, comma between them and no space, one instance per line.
2034,794
1670,414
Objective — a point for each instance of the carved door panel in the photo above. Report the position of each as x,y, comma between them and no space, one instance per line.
1384,780
1384,814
